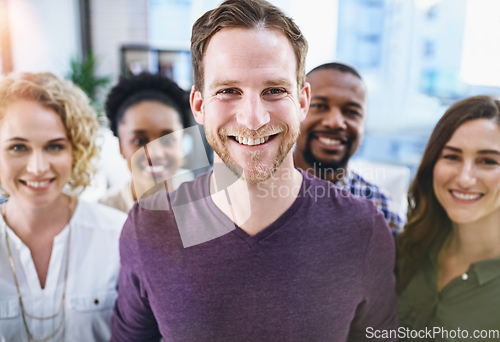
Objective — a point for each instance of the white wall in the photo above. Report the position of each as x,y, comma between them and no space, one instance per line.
45,34
481,51
114,23
317,19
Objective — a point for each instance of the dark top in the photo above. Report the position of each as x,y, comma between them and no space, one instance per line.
470,302
323,271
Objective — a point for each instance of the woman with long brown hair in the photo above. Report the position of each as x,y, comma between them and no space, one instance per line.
449,252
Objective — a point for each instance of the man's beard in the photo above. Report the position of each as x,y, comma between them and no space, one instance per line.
258,172
326,167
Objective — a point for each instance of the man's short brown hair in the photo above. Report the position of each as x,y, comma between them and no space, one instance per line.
250,14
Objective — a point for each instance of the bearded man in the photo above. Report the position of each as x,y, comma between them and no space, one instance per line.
275,254
333,131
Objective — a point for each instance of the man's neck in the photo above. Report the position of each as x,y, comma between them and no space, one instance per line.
255,206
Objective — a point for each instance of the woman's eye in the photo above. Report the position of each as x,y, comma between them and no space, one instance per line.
450,157
489,161
55,147
18,148
140,141
168,140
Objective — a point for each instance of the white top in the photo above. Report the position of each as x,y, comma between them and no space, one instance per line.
91,284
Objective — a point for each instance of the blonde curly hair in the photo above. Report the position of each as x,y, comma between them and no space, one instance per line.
71,104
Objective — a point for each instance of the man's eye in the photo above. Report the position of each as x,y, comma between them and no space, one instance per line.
318,106
229,91
273,94
140,141
353,112
276,91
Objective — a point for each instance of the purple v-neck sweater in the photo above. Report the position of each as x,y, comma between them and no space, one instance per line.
323,271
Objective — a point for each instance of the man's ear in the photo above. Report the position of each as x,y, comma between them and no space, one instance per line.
304,100
196,102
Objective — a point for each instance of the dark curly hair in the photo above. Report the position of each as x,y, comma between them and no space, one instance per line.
337,66
146,87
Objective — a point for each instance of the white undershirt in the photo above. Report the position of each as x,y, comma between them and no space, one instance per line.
91,285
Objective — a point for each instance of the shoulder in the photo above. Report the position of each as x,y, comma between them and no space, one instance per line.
119,197
98,216
361,187
380,196
153,216
182,176
338,207
195,188
382,200
351,226
325,193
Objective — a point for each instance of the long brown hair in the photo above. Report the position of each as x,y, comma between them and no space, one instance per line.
427,220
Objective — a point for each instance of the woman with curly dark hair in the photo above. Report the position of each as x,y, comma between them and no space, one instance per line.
147,112
449,252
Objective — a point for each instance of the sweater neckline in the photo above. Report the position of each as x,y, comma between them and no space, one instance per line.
250,240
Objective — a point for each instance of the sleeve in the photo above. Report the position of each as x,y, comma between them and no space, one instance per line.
392,211
133,319
376,315
395,217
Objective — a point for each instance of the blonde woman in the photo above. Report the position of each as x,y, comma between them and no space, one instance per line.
59,258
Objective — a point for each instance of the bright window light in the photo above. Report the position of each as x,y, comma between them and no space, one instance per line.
481,48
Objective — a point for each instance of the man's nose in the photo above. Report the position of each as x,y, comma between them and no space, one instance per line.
252,112
467,175
334,119
38,163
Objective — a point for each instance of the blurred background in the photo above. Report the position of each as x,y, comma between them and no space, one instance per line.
416,56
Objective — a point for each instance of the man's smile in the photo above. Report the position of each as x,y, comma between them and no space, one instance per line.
328,140
252,141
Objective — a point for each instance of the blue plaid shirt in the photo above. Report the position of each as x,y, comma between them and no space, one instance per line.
361,188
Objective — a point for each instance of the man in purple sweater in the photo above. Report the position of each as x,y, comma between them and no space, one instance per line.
274,254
